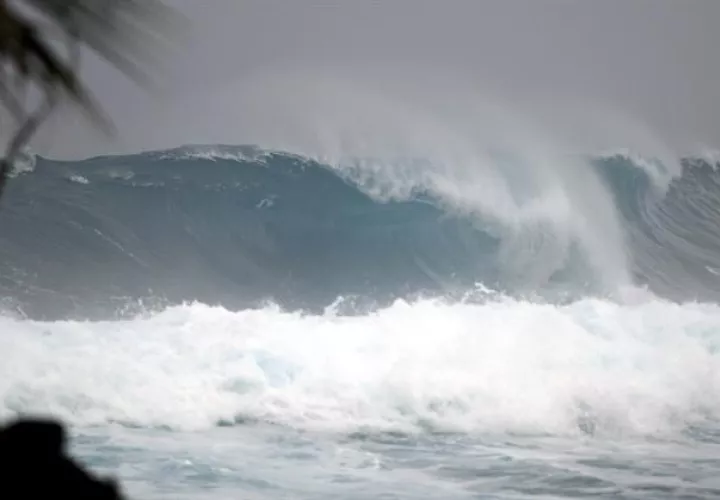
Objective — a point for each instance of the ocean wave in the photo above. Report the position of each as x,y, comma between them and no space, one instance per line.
240,226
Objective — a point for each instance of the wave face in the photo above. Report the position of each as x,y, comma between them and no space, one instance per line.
241,226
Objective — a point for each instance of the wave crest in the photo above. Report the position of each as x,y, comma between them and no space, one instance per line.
241,225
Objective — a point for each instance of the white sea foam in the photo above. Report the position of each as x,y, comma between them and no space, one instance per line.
78,179
503,366
214,153
24,163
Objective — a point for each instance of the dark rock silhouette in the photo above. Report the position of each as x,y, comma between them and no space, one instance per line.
34,464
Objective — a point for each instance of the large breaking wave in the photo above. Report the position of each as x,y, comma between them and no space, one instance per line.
207,286
241,226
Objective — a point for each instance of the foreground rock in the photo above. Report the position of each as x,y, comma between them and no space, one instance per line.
34,464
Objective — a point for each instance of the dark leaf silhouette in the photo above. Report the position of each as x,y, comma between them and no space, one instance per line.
40,44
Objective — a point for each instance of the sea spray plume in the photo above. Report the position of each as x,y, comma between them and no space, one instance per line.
40,46
473,154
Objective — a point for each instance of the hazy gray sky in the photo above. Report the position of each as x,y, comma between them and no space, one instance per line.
651,65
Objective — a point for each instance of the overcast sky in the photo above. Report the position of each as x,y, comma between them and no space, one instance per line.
647,69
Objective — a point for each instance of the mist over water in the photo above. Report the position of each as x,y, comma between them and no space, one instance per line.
421,132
